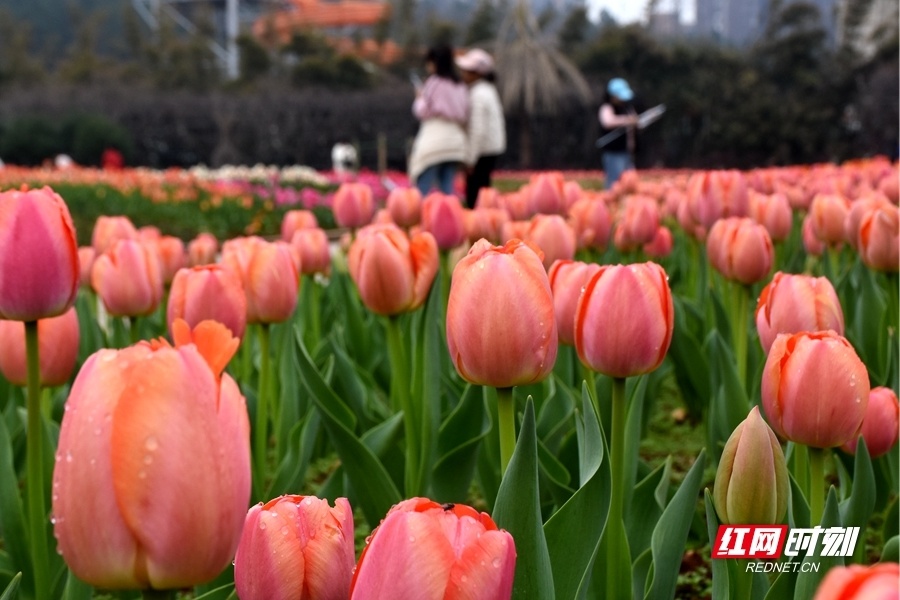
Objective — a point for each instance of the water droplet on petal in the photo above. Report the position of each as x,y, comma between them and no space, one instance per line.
142,474
412,539
496,562
285,530
148,460
464,579
68,456
262,524
151,444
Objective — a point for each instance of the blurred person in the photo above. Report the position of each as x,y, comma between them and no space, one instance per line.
112,160
487,127
617,110
442,107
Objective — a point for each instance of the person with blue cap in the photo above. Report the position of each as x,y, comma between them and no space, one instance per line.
617,111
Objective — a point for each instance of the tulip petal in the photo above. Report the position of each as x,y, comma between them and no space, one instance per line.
268,565
213,340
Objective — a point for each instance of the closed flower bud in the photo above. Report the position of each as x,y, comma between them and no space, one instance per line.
443,217
740,250
772,212
202,249
501,329
109,230
828,212
296,548
428,551
39,268
209,292
751,486
353,205
269,277
879,239
553,236
295,220
795,303
546,193
58,342
86,256
128,278
881,423
313,247
661,245
405,206
815,389
567,280
624,320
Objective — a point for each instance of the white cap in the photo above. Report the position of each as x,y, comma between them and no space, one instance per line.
476,61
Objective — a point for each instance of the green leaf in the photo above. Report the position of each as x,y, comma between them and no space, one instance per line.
77,589
572,539
891,519
730,404
375,490
457,448
857,509
220,593
291,472
798,508
554,475
670,534
518,510
633,425
783,587
891,550
690,362
720,577
646,507
290,404
808,582
429,348
12,523
12,590
489,453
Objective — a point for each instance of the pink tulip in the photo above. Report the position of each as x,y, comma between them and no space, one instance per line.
717,195
772,212
202,249
171,255
812,244
109,230
296,220
39,269
572,193
881,424
553,236
514,230
879,239
152,475
428,551
314,250
501,329
86,256
795,303
269,277
209,292
128,279
58,342
661,245
485,223
546,193
353,205
489,197
567,280
405,206
858,582
443,217
815,389
637,223
828,212
740,250
624,320
854,217
392,271
149,233
296,547
592,222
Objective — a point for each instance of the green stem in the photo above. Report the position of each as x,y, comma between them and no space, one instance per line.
133,330
401,400
616,586
739,332
743,581
158,594
261,433
801,467
315,309
506,421
247,353
37,509
816,485
445,279
833,263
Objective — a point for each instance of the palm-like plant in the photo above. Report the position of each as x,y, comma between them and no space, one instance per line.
535,77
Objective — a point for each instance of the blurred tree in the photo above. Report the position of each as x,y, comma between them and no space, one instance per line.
255,60
537,79
441,31
482,27
82,64
16,62
574,30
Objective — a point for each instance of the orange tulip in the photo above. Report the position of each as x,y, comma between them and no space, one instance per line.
58,342
209,292
879,238
405,206
624,320
854,217
128,279
815,389
129,511
592,222
812,244
795,303
828,212
567,280
881,424
171,255
295,220
392,271
314,250
772,212
39,269
269,277
109,230
443,217
716,195
740,250
501,328
857,582
353,205
202,249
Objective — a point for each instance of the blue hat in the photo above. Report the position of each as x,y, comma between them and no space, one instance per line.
619,88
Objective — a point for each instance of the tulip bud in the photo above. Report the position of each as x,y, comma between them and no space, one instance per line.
392,272
296,220
202,249
128,510
269,277
296,547
751,485
353,205
661,245
638,223
815,389
314,250
428,551
546,193
39,269
553,236
795,303
772,212
442,217
740,250
624,320
592,223
171,256
854,217
209,292
58,342
405,206
109,230
86,256
879,239
567,280
813,245
857,582
828,212
501,329
128,279
881,423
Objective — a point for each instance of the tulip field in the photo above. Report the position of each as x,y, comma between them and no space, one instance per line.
268,384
